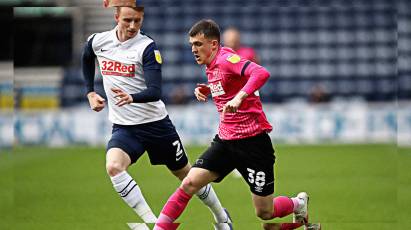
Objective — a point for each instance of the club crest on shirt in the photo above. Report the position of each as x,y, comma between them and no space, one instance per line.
158,56
234,58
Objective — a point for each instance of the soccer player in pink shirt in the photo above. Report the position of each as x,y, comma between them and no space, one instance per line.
242,141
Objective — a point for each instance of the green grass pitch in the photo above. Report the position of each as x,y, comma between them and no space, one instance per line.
351,187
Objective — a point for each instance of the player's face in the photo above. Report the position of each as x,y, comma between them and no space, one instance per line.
203,49
129,22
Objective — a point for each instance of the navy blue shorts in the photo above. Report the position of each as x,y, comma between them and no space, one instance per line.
253,157
159,138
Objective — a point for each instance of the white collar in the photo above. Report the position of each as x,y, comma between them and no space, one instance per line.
118,42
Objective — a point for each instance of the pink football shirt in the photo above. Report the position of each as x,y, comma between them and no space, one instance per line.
227,74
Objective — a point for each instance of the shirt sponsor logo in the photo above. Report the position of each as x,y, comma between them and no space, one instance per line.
216,89
158,56
114,68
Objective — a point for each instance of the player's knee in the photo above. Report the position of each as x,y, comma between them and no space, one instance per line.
264,214
114,168
189,186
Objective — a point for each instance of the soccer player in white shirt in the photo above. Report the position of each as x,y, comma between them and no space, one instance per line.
130,65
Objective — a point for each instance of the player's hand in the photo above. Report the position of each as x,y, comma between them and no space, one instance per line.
233,105
201,92
96,102
122,97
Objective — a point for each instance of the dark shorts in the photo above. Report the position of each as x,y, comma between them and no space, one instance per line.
159,138
253,157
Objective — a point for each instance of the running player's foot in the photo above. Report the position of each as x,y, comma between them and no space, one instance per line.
227,225
301,214
312,226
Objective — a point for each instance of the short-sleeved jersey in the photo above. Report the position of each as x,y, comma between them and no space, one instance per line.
122,66
226,77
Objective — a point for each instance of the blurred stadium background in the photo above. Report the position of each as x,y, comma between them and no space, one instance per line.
350,149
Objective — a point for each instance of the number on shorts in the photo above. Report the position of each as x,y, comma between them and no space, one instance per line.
258,179
179,151
251,175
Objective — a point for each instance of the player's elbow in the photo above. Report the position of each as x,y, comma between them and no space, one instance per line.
264,74
153,93
156,94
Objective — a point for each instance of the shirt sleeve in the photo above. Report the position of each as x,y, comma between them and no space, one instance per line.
88,65
152,76
235,64
151,57
258,76
255,74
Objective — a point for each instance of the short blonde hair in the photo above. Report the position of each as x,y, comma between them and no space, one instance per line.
114,3
137,8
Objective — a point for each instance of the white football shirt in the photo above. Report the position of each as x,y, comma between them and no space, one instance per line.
121,65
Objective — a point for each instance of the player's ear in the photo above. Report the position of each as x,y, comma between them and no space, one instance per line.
215,44
117,14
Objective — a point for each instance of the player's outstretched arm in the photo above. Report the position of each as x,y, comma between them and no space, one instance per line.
96,102
201,92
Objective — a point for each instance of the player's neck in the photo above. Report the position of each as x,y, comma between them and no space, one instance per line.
121,36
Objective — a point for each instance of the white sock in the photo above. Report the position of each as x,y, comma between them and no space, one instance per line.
128,189
209,198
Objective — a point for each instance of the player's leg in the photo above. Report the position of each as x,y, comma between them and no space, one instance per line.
124,150
256,165
181,173
208,196
263,206
172,153
213,165
191,184
267,208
